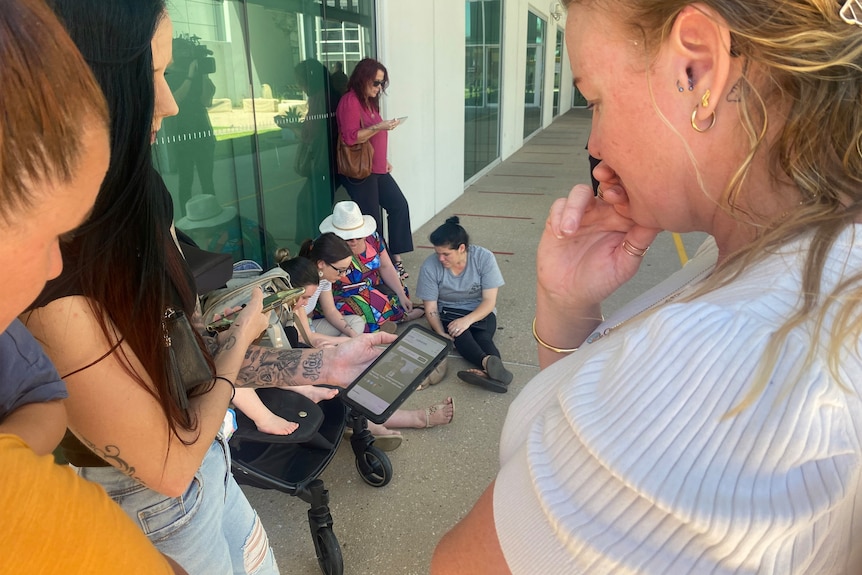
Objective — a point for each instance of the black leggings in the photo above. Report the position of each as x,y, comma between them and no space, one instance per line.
381,191
477,342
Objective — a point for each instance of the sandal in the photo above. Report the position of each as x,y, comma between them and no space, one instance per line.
399,267
389,327
415,313
481,379
436,375
497,371
429,411
389,442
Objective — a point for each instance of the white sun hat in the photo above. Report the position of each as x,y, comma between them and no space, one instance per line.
204,211
348,222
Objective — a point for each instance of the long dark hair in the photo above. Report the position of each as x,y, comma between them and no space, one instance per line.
363,74
124,255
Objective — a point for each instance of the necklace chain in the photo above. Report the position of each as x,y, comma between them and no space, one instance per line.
600,333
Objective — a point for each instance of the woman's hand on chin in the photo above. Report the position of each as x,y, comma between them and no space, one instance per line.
581,258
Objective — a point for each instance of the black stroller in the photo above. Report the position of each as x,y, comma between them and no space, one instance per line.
292,463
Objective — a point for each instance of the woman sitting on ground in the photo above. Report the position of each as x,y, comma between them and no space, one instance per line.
372,287
305,274
459,286
332,258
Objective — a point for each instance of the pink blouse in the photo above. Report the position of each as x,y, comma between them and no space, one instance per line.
348,113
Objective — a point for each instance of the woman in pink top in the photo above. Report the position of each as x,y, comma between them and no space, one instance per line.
359,121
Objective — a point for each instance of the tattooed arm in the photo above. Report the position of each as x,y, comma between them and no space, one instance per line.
278,367
117,415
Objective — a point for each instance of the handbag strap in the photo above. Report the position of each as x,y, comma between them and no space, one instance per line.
300,327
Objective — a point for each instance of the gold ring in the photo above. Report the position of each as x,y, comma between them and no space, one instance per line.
634,251
599,192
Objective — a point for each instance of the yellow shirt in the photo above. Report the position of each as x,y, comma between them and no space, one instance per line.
55,522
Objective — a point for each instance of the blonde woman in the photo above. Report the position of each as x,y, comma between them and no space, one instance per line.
715,424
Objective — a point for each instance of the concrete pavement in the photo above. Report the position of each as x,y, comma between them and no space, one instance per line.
439,473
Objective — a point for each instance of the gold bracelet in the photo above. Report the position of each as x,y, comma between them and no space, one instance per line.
548,346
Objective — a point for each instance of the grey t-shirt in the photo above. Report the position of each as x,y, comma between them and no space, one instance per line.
26,373
463,292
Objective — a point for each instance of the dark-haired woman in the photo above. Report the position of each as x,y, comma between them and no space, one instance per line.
332,257
359,121
101,322
459,284
305,274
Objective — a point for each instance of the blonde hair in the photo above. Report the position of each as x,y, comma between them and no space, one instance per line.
799,53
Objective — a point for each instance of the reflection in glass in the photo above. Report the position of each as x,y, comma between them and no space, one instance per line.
251,137
535,77
482,85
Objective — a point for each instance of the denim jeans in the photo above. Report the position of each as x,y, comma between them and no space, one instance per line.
210,530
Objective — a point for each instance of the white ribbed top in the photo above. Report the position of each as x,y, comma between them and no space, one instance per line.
618,458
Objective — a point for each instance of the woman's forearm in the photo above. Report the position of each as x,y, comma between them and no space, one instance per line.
280,367
365,134
562,330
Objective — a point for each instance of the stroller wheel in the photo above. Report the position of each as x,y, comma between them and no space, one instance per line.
328,552
374,467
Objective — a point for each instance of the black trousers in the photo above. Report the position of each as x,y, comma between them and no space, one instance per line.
477,342
381,191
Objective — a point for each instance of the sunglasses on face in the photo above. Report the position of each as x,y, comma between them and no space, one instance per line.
378,83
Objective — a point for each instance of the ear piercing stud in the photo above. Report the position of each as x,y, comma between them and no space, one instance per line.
690,85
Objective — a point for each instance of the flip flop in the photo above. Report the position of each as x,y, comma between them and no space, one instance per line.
429,411
436,376
497,371
478,377
381,442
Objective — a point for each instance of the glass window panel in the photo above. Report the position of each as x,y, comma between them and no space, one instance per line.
558,71
232,156
535,74
474,24
482,86
493,21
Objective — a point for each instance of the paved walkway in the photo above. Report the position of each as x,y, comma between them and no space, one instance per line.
439,473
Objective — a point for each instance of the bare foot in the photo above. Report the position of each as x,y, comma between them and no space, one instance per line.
275,425
315,393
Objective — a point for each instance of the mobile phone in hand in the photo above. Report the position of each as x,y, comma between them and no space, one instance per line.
401,120
396,373
285,297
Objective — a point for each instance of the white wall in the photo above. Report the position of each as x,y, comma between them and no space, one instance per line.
421,43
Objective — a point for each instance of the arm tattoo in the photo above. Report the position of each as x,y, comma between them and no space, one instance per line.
111,454
211,343
311,366
271,367
227,344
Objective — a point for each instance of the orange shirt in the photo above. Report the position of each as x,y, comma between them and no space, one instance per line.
55,522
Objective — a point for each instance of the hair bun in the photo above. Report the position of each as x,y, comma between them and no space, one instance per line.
453,220
282,254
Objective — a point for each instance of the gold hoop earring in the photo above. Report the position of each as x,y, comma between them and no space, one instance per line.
694,121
